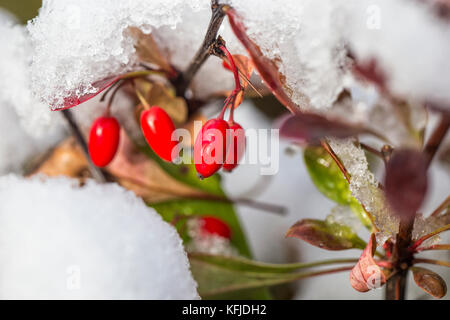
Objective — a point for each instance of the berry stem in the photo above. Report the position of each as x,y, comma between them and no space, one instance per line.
111,98
230,58
141,97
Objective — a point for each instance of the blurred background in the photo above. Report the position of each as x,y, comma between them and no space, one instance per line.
24,10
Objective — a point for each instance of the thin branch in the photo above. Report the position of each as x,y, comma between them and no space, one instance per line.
372,150
272,282
336,159
344,171
268,207
184,79
431,261
434,247
96,172
441,207
436,138
421,240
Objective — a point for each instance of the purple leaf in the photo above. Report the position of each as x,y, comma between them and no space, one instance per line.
325,235
100,86
311,128
406,182
267,68
74,100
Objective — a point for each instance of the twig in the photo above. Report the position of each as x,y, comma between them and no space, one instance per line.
431,261
416,244
271,282
184,79
441,207
336,159
268,207
344,171
372,150
435,247
436,138
96,173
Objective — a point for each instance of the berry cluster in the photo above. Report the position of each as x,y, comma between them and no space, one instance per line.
221,144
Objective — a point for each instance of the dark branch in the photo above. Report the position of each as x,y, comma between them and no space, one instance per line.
184,79
96,173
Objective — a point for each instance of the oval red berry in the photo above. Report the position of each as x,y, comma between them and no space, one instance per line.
104,140
213,225
210,147
237,147
157,127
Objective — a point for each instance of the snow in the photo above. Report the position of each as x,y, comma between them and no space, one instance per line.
61,241
15,84
407,39
27,126
364,187
80,42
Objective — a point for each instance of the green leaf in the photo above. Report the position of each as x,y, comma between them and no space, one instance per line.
329,180
326,235
187,174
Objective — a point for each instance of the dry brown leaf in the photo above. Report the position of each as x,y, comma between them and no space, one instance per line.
366,274
67,159
148,51
176,107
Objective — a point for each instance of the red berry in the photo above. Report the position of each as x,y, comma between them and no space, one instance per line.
213,225
226,65
104,140
237,147
210,147
158,127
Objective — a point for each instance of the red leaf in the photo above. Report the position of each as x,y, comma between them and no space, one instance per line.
371,72
406,182
366,274
100,86
266,67
430,282
311,128
328,236
73,100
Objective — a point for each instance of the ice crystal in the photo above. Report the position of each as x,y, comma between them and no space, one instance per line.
425,225
343,215
364,187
